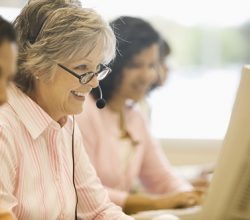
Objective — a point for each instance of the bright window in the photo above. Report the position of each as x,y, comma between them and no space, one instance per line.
194,107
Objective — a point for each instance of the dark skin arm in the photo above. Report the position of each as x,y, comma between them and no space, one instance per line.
140,202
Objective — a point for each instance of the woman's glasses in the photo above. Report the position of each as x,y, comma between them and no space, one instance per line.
84,78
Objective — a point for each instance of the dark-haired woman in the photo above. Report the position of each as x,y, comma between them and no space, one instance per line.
117,137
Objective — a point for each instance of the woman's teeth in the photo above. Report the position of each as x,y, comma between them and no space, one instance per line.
79,94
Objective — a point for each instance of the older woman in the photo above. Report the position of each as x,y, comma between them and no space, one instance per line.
121,133
45,172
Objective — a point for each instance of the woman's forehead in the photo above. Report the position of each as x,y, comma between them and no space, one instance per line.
93,52
86,60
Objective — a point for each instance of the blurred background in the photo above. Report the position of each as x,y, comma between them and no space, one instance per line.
210,43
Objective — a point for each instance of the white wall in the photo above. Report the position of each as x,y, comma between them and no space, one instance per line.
12,3
191,151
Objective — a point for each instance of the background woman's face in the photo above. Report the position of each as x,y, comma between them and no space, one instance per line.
138,76
8,56
64,95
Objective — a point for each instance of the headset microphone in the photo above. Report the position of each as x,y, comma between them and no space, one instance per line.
100,103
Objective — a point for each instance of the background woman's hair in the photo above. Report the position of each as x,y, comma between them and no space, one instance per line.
133,35
164,49
7,32
51,32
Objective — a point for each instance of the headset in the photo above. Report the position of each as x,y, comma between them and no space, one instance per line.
100,103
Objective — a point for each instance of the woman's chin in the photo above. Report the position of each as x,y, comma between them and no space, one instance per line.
76,111
138,98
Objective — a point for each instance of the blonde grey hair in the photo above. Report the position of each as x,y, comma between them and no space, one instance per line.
51,32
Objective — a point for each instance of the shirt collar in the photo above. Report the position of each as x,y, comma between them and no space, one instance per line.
34,118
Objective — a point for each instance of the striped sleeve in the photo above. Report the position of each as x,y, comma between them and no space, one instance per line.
8,171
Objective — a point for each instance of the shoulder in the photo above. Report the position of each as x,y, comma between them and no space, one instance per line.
134,114
137,123
9,128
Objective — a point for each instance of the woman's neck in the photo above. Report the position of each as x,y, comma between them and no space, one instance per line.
116,104
61,119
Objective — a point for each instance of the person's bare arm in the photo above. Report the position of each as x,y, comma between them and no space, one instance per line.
140,202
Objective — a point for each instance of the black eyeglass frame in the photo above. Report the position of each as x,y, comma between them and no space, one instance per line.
103,68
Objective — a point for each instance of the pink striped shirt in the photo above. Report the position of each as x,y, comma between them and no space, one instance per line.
36,167
101,136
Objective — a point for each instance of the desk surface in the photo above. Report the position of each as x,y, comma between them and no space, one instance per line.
183,214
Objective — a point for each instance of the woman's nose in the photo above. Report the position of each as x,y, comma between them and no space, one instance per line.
94,82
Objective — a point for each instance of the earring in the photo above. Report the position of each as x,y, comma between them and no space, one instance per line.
37,77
